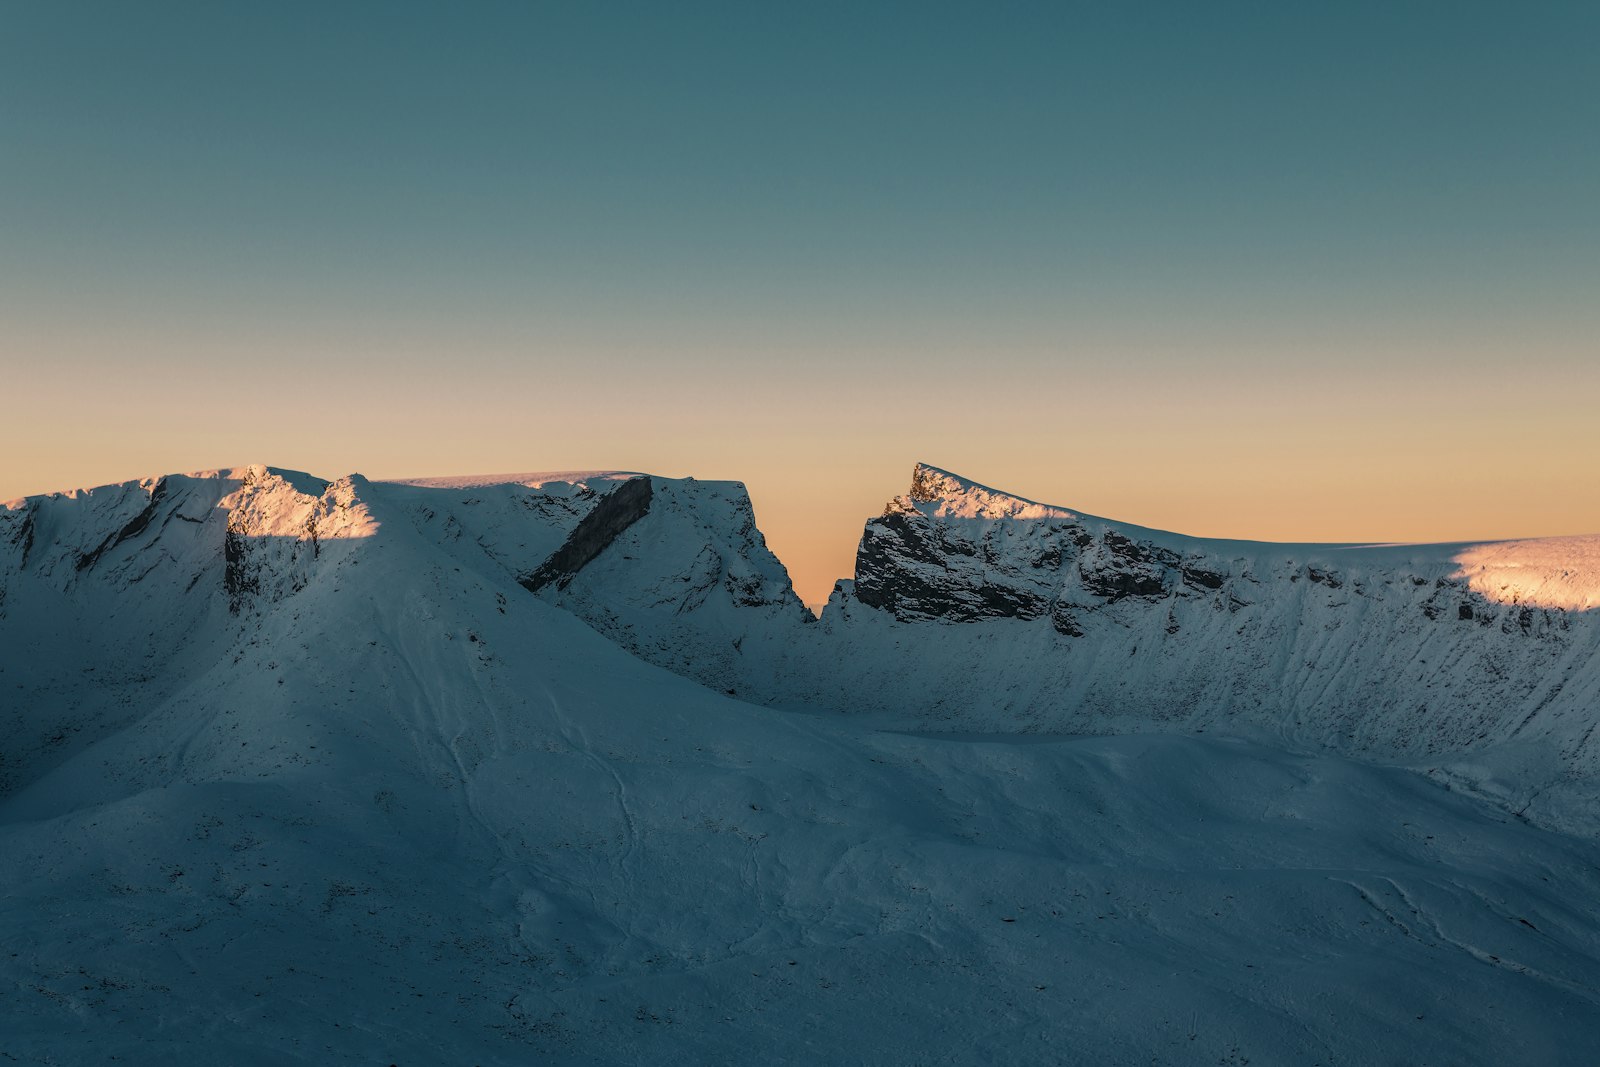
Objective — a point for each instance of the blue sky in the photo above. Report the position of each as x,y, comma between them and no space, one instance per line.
896,154
908,230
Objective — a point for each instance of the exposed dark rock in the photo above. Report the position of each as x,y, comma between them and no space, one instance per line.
1464,613
1064,621
891,539
1113,584
1198,576
24,534
237,579
925,485
917,568
616,511
133,528
1328,578
1131,551
1126,568
916,594
1002,602
747,590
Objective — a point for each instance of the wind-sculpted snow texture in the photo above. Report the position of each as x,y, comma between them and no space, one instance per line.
299,771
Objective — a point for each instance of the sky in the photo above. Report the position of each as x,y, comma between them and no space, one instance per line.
1243,270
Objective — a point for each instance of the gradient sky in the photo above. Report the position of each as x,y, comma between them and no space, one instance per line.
1233,269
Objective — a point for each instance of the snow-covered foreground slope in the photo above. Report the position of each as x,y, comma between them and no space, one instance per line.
300,771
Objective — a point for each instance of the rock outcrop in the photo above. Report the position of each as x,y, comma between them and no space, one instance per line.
953,552
615,512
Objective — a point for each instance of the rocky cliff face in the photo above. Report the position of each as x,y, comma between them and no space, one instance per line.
975,609
954,552
920,564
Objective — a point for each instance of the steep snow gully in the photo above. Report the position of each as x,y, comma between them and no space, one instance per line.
557,768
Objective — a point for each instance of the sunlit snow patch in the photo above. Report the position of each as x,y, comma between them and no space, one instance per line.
1552,572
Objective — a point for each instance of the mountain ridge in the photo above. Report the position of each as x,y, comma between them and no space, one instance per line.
931,484
971,609
347,791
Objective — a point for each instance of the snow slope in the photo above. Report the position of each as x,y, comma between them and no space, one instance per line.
303,772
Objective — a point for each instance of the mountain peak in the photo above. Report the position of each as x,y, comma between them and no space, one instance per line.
938,492
930,483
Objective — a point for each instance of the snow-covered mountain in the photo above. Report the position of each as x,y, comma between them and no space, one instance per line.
306,771
110,583
975,609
